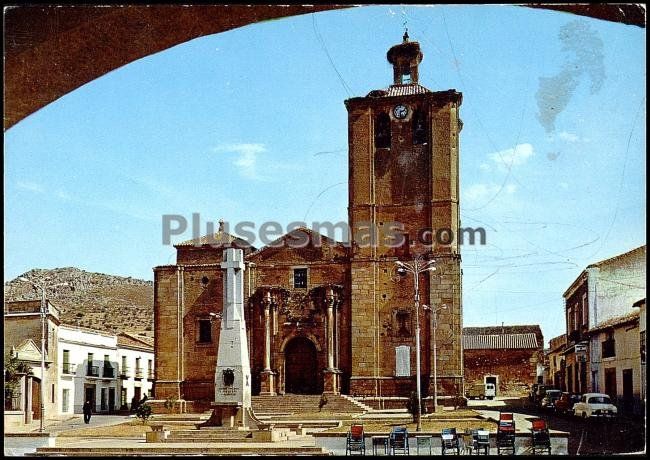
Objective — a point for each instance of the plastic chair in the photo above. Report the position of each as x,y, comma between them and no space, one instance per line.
449,440
399,440
541,438
356,441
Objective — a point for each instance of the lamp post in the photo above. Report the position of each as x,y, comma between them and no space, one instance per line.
434,315
419,265
43,317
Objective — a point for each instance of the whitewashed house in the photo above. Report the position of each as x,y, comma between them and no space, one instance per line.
106,369
135,367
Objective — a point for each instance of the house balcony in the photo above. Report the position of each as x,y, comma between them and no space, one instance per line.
68,369
124,373
139,373
108,372
93,371
150,375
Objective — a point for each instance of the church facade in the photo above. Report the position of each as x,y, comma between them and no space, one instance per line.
332,317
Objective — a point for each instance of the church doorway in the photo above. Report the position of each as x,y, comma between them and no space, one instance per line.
301,367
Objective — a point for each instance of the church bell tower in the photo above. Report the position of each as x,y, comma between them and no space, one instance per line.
404,203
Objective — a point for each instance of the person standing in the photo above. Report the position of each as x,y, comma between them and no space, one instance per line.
88,410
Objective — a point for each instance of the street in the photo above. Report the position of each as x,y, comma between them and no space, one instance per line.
592,436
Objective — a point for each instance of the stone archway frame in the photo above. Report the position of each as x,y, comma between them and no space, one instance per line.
282,357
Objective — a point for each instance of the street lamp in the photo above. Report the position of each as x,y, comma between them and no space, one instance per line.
43,316
434,318
419,265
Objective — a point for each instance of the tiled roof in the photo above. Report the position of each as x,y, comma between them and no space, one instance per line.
489,342
639,250
132,340
399,90
613,322
286,236
220,238
501,330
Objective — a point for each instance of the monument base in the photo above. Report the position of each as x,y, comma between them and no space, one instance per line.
267,378
332,382
226,415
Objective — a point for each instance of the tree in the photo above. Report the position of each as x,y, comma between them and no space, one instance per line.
170,403
144,412
14,370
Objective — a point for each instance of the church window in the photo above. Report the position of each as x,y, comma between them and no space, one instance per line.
419,127
300,278
205,331
382,131
403,361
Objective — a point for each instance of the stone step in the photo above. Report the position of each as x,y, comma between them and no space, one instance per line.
177,450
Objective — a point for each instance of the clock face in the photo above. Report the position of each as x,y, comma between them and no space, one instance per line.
400,111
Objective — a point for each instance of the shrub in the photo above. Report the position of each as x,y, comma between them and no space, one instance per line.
170,403
144,412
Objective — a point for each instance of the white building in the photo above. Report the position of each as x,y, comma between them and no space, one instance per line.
136,367
96,366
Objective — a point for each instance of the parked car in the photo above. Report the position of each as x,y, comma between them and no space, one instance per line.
475,391
564,405
540,391
490,390
550,397
594,405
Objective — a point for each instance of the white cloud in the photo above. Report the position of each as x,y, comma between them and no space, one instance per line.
569,137
505,159
247,156
30,186
563,185
481,192
485,167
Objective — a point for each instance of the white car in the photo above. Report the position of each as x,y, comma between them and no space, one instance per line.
594,405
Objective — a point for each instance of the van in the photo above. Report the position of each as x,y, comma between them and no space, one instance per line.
475,391
490,390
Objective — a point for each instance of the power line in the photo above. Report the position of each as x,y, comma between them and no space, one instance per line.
322,43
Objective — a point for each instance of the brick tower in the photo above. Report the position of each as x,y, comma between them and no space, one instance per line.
403,168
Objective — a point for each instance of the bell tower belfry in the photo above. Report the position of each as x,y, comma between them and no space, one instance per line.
403,203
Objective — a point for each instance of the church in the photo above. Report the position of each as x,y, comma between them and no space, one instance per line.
332,317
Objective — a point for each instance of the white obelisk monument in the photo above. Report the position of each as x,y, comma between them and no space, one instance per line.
232,380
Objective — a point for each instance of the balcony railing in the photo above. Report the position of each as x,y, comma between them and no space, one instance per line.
13,402
150,374
109,372
68,368
124,372
138,373
93,371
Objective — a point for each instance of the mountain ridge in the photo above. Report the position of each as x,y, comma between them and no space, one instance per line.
94,300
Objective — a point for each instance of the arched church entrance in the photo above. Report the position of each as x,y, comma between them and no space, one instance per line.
301,367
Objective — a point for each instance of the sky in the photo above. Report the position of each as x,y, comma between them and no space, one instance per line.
250,125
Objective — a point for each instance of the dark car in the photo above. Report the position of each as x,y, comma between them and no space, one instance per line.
550,397
564,405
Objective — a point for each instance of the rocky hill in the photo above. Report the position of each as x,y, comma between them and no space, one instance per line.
94,300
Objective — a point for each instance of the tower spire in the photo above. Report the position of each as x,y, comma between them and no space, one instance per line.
405,37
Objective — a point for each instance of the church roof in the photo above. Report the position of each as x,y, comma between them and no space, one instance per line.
220,238
399,90
127,339
280,242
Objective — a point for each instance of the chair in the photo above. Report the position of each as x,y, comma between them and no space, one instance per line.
506,433
468,441
399,440
481,438
356,441
541,438
449,440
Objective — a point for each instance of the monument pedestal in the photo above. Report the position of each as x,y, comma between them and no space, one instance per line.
226,415
267,383
332,382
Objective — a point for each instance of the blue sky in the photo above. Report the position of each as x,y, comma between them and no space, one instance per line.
249,125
